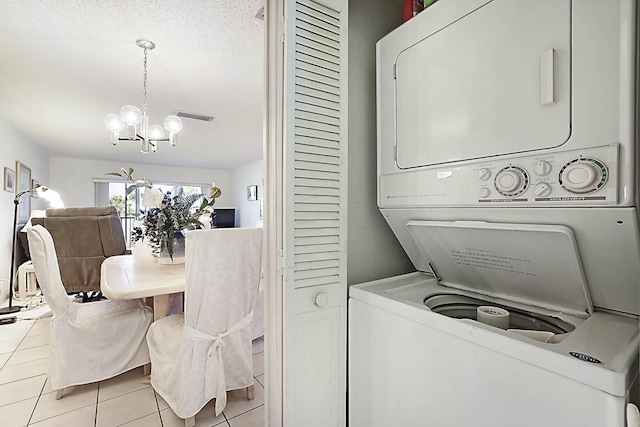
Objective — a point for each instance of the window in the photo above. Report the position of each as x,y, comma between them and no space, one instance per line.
112,193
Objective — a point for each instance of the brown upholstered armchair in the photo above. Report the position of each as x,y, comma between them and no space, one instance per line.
83,237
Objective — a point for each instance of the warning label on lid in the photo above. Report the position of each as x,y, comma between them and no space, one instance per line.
487,258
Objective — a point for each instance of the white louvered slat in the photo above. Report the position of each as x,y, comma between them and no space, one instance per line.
326,58
319,118
317,158
317,93
300,164
316,215
317,281
313,133
303,141
329,263
319,32
329,82
316,257
317,109
310,207
318,126
316,183
310,35
307,232
317,191
317,240
319,9
310,249
319,48
304,99
318,19
303,59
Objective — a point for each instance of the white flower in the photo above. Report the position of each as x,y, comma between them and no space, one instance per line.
152,198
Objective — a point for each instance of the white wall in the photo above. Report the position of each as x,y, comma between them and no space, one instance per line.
73,178
248,212
373,251
16,146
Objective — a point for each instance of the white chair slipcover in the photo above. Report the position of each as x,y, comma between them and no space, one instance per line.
200,354
89,342
257,324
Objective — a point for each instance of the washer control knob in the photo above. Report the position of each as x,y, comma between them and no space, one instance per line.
484,174
511,181
584,175
484,192
542,189
542,168
321,299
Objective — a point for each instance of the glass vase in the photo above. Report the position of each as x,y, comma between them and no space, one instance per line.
178,250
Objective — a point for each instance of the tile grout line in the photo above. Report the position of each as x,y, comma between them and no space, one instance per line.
15,349
33,411
95,415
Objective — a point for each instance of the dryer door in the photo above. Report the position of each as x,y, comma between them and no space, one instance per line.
493,82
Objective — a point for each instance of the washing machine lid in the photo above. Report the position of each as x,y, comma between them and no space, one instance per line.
538,265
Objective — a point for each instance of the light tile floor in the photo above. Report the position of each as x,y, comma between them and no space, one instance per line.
26,399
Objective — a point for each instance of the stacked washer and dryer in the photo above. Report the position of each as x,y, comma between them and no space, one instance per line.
508,170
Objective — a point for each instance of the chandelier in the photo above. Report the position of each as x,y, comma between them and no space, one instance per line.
133,125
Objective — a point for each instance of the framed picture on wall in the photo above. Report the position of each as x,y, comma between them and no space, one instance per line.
23,183
9,180
252,192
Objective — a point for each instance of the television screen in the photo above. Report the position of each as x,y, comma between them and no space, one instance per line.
223,218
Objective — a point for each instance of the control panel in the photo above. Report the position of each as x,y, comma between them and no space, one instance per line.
580,177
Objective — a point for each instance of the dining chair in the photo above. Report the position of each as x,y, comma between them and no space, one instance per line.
89,342
202,353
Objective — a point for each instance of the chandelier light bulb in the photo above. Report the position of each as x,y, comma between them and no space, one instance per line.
156,132
131,115
173,124
114,123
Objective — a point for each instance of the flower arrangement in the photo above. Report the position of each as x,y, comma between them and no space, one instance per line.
168,213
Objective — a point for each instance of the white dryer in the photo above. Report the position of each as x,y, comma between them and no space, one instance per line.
508,170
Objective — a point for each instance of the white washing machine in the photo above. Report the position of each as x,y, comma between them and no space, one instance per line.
508,170
419,356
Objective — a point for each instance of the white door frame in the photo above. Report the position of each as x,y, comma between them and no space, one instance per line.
273,158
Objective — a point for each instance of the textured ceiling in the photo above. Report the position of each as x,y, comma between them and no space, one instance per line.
66,64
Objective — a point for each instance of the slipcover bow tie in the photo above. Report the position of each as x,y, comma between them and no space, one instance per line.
216,344
215,350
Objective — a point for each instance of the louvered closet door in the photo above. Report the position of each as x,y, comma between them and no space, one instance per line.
315,206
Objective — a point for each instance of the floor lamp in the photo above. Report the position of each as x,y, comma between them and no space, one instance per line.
37,191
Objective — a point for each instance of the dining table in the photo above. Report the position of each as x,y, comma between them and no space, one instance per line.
142,276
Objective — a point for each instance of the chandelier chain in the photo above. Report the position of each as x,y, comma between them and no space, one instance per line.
144,98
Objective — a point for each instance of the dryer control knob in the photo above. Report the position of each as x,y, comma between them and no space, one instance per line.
484,192
484,174
584,175
542,168
542,189
511,181
321,300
